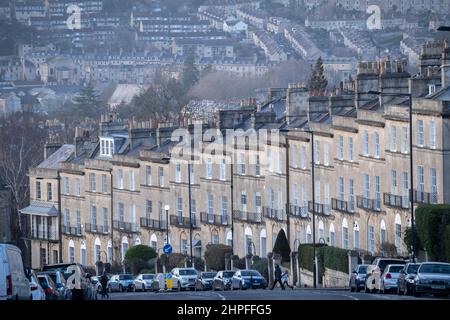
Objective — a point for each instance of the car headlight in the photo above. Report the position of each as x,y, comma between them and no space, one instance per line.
410,280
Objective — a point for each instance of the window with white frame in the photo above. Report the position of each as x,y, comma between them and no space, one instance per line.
405,191
356,236
192,173
131,180
92,182
161,176
366,143
148,209
105,219
376,144
257,166
432,134
280,200
377,196
224,208
371,242
420,138
133,213
351,195
243,201
94,218
78,187
295,194
405,144
303,157
183,246
66,184
121,212
241,163
350,149
398,236
326,160
344,234
341,194
269,159
421,183
294,161
104,183
210,204
340,148
208,168
317,152
271,198
77,220
304,200
366,185
223,169
67,218
327,199
393,141
433,186
178,172
148,175
120,179
258,202
106,147
332,236
179,207
394,182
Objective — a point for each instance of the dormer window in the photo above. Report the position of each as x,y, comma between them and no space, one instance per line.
106,147
431,89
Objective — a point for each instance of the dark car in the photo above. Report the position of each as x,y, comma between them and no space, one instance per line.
60,282
83,288
405,282
222,281
432,277
205,281
358,278
248,279
50,289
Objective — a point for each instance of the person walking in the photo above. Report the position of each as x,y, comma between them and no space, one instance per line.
104,282
285,279
277,277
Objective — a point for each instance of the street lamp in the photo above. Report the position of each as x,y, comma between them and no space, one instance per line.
411,160
167,208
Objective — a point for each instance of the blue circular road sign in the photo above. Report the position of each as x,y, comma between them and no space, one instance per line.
167,249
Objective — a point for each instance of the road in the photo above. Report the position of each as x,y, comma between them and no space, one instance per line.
277,294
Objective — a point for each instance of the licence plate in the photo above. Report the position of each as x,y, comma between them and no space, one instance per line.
438,287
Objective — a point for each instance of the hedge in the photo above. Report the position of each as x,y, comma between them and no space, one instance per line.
447,242
215,256
327,257
432,222
261,265
335,258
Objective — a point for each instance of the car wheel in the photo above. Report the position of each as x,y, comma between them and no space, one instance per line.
240,286
121,288
178,286
143,288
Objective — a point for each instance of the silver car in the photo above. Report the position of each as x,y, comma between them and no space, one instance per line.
390,276
184,278
144,281
432,277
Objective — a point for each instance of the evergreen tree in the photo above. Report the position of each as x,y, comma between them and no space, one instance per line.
282,246
87,103
317,83
190,74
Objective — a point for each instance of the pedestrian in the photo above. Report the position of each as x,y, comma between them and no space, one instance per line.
104,282
285,279
277,277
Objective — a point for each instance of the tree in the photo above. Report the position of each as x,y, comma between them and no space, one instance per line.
215,256
190,74
282,246
87,103
317,83
138,257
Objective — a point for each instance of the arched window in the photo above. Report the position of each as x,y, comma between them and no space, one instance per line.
383,235
71,252
308,234
229,238
248,240
83,259
154,241
197,245
263,243
110,251
215,237
332,239
137,241
97,250
356,235
345,234
321,231
183,243
398,232
124,247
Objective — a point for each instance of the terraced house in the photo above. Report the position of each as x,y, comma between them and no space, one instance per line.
108,191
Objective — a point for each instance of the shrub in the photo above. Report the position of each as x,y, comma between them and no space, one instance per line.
215,256
282,246
261,265
408,238
305,256
173,260
447,243
335,258
138,257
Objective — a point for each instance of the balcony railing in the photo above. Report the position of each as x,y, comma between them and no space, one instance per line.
320,208
249,217
394,201
421,197
125,226
342,206
72,231
153,224
274,214
50,235
183,222
214,219
368,204
298,212
96,228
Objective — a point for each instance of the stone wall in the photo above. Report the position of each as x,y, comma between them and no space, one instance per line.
335,279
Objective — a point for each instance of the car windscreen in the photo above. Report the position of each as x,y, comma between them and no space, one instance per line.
43,282
208,275
435,268
384,263
148,276
62,269
188,272
250,273
126,277
395,269
412,268
228,274
53,276
362,269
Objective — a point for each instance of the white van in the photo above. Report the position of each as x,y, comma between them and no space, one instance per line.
13,282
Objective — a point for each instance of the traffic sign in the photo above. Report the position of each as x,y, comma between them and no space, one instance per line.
167,249
169,276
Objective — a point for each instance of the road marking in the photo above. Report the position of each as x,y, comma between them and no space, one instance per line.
221,296
354,298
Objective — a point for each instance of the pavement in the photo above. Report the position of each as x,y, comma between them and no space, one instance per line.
276,294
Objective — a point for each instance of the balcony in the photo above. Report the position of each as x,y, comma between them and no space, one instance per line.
421,197
298,212
183,222
42,235
153,224
394,201
125,226
249,217
96,229
73,231
373,205
274,214
320,209
342,206
213,219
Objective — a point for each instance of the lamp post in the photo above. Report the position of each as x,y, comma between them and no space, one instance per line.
167,208
411,160
298,284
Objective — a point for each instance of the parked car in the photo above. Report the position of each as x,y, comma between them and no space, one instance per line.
375,270
50,288
405,282
14,284
432,277
184,278
144,281
222,281
96,283
60,281
86,290
36,289
205,281
121,283
248,279
389,277
358,278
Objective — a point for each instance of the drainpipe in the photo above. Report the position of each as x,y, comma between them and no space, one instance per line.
58,179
